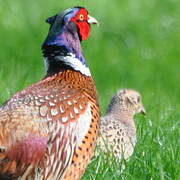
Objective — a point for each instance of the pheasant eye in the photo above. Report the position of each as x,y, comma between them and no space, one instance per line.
81,17
138,99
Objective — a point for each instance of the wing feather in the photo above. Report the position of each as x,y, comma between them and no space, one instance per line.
43,128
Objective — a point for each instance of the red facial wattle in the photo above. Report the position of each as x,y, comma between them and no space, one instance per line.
82,24
84,30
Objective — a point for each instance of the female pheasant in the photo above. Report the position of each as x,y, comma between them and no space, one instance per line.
48,131
117,127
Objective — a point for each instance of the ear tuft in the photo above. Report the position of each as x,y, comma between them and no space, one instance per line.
125,91
51,19
122,92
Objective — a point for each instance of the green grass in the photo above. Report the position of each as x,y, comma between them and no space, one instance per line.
136,46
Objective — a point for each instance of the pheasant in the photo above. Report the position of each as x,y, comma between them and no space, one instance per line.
117,127
48,131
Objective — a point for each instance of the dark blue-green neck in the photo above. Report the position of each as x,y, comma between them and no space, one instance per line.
61,47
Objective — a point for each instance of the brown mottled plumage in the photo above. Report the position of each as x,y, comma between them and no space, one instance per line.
48,131
117,128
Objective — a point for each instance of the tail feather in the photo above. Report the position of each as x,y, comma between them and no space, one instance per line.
6,177
7,168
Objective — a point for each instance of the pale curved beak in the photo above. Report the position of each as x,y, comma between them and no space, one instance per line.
143,111
92,20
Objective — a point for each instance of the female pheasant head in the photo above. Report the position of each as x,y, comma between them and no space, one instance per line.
62,47
127,100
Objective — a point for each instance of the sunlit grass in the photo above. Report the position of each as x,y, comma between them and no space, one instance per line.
156,154
136,46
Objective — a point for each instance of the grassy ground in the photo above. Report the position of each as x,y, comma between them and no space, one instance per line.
137,46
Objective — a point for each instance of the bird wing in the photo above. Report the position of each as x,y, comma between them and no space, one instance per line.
71,120
23,135
43,127
116,137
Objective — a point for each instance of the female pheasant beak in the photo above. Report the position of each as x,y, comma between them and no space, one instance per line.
92,20
143,111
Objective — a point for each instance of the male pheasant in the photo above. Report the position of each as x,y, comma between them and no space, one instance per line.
117,127
48,131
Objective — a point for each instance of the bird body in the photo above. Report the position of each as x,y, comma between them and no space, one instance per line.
117,127
52,125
